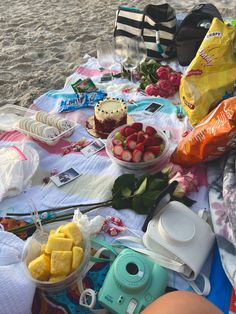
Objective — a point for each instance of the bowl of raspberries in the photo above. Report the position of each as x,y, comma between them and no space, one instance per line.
138,147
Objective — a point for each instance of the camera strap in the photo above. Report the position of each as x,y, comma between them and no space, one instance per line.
88,297
163,261
201,285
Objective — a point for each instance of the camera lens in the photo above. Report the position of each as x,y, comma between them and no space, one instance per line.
132,268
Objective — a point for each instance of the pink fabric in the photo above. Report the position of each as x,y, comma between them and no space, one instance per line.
15,136
20,153
92,72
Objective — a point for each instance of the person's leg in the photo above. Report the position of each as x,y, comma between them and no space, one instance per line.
181,302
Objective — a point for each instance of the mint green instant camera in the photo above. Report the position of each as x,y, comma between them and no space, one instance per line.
132,282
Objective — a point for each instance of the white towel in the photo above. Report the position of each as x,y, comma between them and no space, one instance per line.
16,290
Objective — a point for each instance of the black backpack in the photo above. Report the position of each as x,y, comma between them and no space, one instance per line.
192,31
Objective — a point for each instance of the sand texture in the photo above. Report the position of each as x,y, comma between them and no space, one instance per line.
42,42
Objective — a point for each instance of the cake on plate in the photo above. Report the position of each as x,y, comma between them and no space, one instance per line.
109,114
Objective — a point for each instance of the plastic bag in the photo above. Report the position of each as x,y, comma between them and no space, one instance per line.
211,75
18,163
211,138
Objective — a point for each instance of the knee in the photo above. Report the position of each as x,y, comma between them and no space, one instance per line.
181,302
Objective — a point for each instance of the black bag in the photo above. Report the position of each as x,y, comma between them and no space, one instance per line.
157,25
192,31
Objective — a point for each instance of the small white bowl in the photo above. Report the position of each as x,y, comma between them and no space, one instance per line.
154,165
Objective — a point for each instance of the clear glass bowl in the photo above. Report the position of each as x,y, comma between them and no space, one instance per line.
32,250
154,165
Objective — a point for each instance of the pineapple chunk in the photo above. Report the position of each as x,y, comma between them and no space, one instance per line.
61,262
59,229
40,267
57,278
58,244
59,235
72,231
52,232
42,250
77,256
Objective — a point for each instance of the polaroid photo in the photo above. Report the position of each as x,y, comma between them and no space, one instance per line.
152,108
106,77
93,148
65,177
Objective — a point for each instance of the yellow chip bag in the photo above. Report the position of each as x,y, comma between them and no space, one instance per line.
211,75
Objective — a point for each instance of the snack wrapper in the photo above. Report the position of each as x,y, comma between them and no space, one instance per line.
82,86
211,138
211,75
83,100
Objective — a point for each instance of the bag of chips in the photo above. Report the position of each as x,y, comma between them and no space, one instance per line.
211,138
211,75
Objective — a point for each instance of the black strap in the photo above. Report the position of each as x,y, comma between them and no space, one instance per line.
168,190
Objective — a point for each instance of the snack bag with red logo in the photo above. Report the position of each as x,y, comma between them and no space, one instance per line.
211,138
211,75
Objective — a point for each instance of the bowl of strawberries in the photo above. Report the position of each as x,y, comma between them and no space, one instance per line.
138,147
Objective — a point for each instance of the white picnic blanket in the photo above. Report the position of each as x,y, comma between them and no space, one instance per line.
98,172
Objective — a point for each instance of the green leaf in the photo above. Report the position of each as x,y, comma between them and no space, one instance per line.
122,203
126,192
153,62
158,184
142,187
143,68
149,197
153,78
122,182
138,206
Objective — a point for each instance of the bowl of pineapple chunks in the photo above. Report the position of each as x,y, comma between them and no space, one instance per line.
57,257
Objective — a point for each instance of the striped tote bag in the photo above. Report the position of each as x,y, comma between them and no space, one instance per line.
157,25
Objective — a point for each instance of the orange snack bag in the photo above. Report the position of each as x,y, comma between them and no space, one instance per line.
211,138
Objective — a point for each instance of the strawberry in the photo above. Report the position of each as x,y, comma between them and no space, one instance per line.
126,155
116,142
130,144
117,156
140,137
150,130
117,150
129,131
137,156
122,131
132,137
140,147
146,135
154,149
151,141
138,126
147,156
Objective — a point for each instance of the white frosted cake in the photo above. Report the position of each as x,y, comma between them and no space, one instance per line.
109,114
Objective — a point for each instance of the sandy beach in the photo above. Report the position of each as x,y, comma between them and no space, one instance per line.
43,42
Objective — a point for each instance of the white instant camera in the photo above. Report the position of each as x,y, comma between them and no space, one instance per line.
181,236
